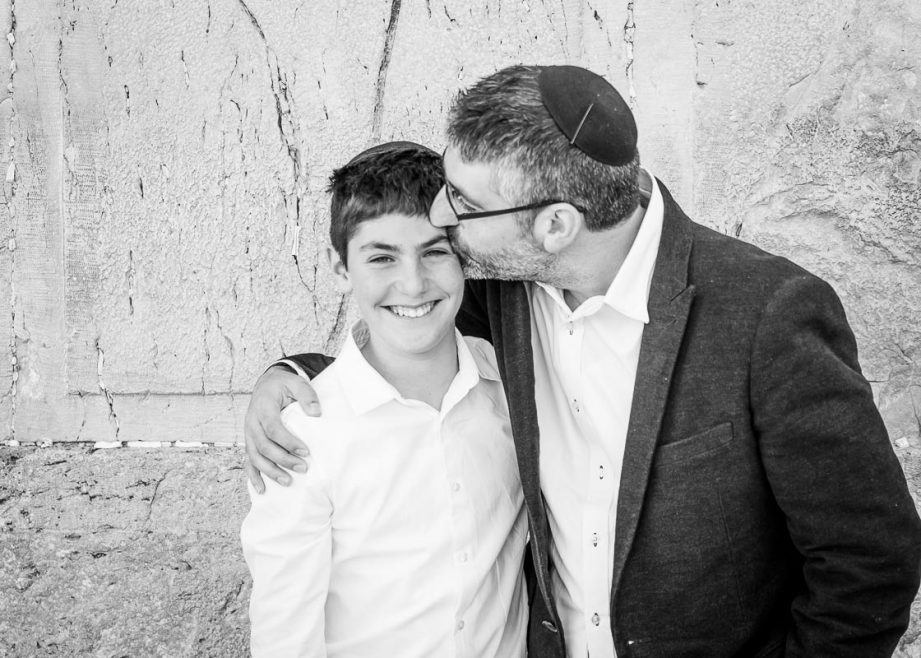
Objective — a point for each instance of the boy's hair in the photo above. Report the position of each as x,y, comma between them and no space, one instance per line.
502,120
397,177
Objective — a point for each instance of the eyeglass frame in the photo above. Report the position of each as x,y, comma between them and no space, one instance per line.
495,213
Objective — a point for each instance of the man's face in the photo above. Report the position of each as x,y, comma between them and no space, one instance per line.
489,247
407,282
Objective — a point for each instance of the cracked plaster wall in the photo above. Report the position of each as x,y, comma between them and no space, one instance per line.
163,160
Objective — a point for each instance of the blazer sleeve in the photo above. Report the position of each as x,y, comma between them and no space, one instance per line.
312,363
835,476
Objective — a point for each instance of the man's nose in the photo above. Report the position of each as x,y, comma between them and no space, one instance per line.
440,212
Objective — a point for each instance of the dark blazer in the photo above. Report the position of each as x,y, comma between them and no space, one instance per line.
762,511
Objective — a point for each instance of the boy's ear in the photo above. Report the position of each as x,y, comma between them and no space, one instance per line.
339,270
557,226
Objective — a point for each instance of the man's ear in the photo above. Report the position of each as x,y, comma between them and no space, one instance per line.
557,226
339,270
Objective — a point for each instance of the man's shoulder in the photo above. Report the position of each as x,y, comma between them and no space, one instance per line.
727,261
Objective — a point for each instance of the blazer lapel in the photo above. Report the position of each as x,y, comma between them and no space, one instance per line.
669,305
512,341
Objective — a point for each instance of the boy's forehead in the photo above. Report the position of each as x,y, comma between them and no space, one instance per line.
397,229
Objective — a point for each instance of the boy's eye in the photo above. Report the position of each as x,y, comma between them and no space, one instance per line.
440,251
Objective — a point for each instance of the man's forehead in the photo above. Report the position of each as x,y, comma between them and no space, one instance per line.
471,176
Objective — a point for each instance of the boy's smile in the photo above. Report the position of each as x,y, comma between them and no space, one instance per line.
408,284
411,311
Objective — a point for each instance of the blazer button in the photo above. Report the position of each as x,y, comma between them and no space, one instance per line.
549,625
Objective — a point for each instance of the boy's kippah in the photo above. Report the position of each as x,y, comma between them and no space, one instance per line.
391,147
590,112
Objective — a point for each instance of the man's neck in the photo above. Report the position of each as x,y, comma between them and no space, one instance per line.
423,377
595,260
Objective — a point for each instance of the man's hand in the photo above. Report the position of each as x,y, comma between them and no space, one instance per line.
269,446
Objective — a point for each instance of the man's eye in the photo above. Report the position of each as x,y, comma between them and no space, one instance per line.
439,252
380,260
461,201
466,205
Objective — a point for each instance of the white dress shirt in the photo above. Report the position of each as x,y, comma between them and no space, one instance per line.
406,536
585,363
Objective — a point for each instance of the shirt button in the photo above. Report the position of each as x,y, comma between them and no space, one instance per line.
600,472
456,487
596,619
462,557
460,625
594,539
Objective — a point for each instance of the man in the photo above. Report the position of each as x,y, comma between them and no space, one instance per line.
703,466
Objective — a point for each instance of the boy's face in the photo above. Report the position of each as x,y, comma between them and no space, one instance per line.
407,282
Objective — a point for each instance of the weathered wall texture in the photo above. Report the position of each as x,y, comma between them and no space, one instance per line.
161,160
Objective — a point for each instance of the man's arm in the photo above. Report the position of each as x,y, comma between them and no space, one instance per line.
834,474
287,543
270,447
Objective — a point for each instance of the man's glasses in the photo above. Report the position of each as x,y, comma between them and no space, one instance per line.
453,201
461,216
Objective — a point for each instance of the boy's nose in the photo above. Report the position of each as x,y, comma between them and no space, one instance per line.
413,278
440,212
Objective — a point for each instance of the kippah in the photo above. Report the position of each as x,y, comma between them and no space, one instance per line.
590,112
387,147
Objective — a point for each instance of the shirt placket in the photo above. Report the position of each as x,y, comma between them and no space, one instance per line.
464,538
598,480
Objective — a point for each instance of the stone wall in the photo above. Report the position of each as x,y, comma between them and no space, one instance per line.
164,161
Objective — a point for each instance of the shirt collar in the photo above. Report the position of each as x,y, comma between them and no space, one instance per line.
628,293
365,388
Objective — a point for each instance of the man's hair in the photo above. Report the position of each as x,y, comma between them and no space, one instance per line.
501,120
403,180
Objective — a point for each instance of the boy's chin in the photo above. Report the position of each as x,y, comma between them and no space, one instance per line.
427,339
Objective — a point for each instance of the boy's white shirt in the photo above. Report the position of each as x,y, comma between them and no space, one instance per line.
406,536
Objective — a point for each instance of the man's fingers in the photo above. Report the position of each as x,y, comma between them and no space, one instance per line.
253,476
269,445
306,396
279,454
268,469
279,434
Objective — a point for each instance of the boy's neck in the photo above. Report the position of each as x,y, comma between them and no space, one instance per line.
424,377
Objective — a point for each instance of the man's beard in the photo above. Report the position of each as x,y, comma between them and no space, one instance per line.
521,261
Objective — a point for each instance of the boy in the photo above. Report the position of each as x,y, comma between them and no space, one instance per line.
406,535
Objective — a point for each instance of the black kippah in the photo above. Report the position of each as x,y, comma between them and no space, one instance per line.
590,112
391,146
